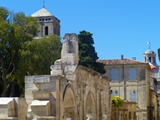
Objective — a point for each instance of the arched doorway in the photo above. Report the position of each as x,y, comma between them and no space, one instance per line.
46,30
90,107
69,104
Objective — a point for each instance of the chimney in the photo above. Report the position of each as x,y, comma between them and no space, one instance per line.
121,57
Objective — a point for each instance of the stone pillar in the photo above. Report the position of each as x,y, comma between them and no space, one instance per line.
83,102
84,99
97,101
57,99
98,104
69,53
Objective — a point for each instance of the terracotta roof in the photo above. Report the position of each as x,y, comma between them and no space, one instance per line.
41,13
120,61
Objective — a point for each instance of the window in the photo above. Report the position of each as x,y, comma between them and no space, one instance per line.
115,93
142,74
154,60
149,59
158,87
158,74
114,74
46,30
134,115
132,74
129,115
133,96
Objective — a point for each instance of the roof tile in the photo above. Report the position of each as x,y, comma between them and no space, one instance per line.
41,13
119,61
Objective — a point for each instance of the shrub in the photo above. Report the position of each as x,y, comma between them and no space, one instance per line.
117,101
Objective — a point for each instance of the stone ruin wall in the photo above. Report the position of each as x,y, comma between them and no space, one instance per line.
46,96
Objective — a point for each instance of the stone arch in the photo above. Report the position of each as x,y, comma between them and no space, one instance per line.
90,107
69,103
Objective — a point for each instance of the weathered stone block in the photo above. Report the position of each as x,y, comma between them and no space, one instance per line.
69,53
56,72
40,108
7,106
41,79
13,108
69,58
69,71
41,95
22,108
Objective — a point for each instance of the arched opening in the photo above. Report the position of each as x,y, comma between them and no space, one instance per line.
69,104
46,30
90,107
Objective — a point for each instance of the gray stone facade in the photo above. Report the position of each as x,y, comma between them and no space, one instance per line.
71,92
48,24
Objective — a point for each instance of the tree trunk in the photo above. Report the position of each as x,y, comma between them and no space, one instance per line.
4,73
12,89
4,83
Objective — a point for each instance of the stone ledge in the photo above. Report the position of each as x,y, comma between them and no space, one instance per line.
41,95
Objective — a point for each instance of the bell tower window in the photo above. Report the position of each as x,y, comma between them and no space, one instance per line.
154,60
46,30
149,59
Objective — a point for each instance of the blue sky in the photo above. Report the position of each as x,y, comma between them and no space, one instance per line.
118,26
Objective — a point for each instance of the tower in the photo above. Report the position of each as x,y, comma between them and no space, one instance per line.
149,55
48,24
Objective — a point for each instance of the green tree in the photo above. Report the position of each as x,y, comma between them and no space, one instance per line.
87,53
15,30
37,56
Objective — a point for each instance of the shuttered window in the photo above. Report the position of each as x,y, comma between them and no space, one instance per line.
132,74
133,96
130,115
114,74
142,74
115,93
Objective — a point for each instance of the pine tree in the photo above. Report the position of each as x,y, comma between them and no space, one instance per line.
87,53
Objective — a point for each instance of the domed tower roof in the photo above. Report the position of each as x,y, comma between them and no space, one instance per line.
149,52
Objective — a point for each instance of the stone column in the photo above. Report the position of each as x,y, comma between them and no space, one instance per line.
57,99
98,104
83,94
97,101
81,103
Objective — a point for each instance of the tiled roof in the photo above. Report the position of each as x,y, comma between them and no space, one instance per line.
41,13
120,61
